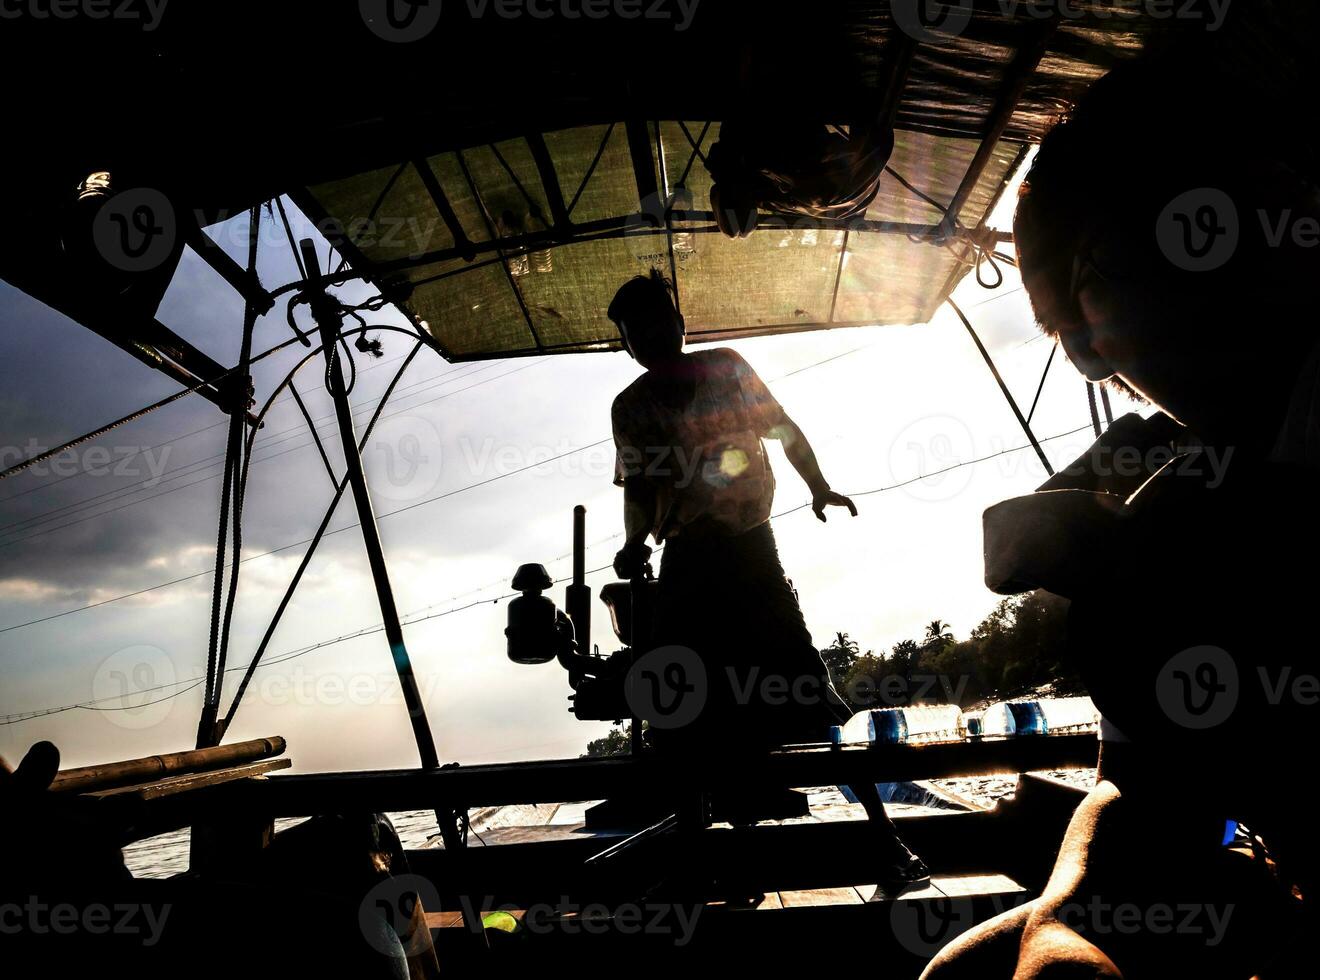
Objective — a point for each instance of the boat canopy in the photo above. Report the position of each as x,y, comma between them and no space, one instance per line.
790,274
501,176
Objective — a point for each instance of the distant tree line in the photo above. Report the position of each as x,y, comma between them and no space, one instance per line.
1016,649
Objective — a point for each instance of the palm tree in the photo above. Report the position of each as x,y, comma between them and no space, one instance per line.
840,655
937,631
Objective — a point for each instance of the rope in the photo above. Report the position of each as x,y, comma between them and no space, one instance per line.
1041,387
341,485
232,493
74,443
1095,413
1008,395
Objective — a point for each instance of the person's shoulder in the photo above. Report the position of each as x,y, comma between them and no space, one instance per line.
723,354
625,401
724,358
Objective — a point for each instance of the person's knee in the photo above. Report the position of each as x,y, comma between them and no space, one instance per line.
1055,952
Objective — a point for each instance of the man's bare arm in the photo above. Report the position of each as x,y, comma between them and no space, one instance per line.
803,458
638,513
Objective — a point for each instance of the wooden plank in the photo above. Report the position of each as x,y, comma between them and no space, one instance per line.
586,779
769,900
517,815
817,897
967,886
444,920
501,836
874,893
175,785
570,814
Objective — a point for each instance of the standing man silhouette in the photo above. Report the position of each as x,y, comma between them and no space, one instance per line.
692,464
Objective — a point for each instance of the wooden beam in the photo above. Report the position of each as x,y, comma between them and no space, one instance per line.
639,148
554,195
462,787
111,775
462,245
246,285
1016,77
188,782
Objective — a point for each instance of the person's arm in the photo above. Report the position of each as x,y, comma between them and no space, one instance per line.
772,422
638,513
803,457
638,495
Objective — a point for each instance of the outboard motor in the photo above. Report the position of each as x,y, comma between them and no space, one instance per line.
538,632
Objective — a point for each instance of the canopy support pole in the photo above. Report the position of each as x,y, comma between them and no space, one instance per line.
1008,395
244,281
1016,77
326,313
327,320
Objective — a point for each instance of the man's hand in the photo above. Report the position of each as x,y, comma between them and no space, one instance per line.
828,498
630,560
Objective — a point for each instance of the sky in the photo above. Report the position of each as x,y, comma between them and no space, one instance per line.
138,508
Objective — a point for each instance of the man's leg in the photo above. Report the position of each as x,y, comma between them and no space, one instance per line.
988,951
1212,910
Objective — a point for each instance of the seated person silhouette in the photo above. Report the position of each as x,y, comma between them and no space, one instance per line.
695,475
67,897
1169,280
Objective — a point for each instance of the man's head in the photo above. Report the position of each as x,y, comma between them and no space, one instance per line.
652,329
1145,233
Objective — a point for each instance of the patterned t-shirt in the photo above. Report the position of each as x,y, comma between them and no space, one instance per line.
703,455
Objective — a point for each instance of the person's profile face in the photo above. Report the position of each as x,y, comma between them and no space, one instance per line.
1121,330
